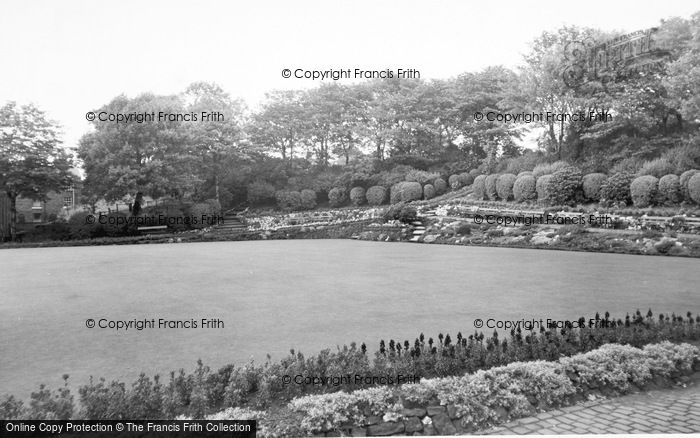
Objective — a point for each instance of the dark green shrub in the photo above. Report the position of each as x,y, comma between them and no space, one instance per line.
616,188
406,192
455,182
440,186
401,212
376,195
524,188
474,173
308,199
541,188
479,187
670,189
260,192
504,186
84,225
466,179
694,188
357,196
12,408
288,200
46,404
118,224
421,176
491,190
174,217
428,191
463,229
657,168
205,214
337,197
685,177
564,187
591,185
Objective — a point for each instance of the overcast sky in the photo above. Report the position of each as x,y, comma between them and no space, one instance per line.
70,57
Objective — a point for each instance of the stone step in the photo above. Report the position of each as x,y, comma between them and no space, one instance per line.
418,232
414,239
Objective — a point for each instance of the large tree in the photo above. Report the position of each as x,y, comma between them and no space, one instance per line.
217,137
151,156
32,160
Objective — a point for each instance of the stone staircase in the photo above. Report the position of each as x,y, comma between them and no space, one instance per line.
419,227
231,224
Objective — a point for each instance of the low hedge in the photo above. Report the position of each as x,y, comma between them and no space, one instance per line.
524,187
643,190
507,392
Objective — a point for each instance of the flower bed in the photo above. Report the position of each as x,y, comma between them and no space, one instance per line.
485,398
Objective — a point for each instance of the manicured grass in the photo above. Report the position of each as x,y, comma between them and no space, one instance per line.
302,294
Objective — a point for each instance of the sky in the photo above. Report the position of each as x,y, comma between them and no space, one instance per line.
72,56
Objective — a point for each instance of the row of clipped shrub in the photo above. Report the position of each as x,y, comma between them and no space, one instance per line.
566,185
205,391
500,394
418,185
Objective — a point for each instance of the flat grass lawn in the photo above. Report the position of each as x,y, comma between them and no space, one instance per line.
302,294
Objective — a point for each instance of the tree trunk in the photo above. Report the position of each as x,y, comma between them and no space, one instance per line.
13,216
216,188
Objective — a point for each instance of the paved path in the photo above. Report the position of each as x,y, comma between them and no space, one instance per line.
663,411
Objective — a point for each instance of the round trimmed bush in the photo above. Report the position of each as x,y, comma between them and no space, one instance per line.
643,190
490,183
479,187
541,187
685,177
357,196
428,191
376,195
616,188
337,196
591,185
504,186
524,188
466,179
525,172
308,199
455,182
565,186
694,188
474,173
411,191
440,186
395,193
406,192
670,189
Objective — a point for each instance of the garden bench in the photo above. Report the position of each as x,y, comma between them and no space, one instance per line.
155,229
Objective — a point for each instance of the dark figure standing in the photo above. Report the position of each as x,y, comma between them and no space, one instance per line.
137,204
